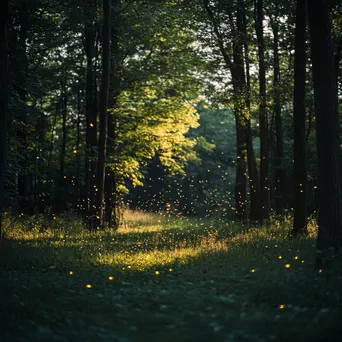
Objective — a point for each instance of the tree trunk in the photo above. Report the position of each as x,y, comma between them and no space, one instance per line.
90,33
327,133
103,114
21,71
253,174
62,181
241,117
300,167
112,202
279,168
3,100
239,99
78,162
263,120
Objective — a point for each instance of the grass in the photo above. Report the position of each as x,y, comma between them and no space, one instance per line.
163,278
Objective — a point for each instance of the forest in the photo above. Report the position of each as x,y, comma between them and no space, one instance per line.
170,170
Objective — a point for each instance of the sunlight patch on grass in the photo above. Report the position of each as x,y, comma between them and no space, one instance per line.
144,260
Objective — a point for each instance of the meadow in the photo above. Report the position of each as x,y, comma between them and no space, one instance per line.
163,278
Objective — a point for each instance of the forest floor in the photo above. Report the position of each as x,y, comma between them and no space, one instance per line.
164,279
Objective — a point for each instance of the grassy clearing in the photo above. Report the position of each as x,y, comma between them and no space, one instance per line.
164,279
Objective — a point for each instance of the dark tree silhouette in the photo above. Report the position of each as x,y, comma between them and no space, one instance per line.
327,132
300,168
3,99
263,117
103,114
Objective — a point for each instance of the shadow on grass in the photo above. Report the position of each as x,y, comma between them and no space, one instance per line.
230,289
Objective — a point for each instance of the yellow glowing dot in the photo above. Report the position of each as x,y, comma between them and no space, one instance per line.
110,278
320,271
296,257
280,257
71,272
91,125
281,306
171,270
253,270
287,266
157,272
75,151
315,187
158,221
123,268
54,217
88,286
302,261
64,177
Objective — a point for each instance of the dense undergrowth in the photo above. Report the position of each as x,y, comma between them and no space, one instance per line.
161,278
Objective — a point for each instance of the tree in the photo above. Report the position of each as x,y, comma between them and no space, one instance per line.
263,117
3,100
253,174
90,47
104,93
300,168
279,167
327,141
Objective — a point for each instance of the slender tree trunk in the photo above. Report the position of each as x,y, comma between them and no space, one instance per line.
263,119
103,114
253,174
3,100
60,191
21,71
241,118
327,133
300,167
279,168
240,175
337,60
78,161
112,204
90,33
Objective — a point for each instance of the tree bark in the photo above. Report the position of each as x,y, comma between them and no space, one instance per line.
327,133
90,33
253,174
21,73
78,157
60,191
279,168
241,117
263,118
299,151
112,198
3,100
102,151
